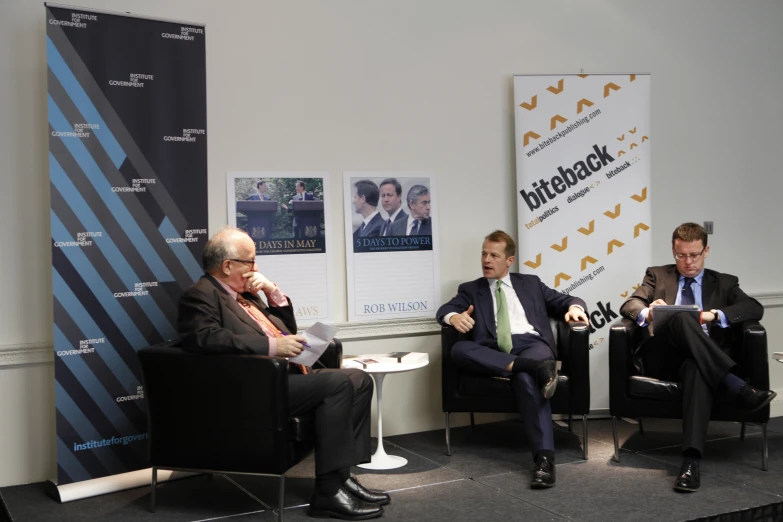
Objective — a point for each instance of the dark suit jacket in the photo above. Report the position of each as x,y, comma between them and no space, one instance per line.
211,321
400,228
401,216
257,197
719,291
373,229
538,300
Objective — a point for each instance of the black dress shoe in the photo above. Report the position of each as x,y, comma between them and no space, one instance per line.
371,496
543,473
342,505
752,399
546,376
689,479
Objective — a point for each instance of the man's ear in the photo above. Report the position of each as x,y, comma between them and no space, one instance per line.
224,267
509,261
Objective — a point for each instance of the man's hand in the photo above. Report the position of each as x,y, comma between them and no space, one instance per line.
256,282
653,305
463,322
708,317
290,345
576,314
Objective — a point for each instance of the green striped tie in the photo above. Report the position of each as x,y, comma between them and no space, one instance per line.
504,323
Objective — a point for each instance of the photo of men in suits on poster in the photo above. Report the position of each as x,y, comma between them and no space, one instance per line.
390,214
283,215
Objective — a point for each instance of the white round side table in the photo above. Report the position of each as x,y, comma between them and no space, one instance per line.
381,459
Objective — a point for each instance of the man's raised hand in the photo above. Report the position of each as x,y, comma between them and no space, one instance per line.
463,322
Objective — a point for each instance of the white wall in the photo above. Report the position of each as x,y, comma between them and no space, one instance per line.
413,85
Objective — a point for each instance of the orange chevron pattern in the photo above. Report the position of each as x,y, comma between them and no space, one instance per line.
562,246
615,214
581,104
561,276
556,90
640,197
532,105
556,118
528,136
610,87
638,227
589,230
613,243
535,264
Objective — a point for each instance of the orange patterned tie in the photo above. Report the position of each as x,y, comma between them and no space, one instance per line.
268,326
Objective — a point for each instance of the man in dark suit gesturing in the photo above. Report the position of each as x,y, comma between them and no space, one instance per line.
301,195
689,350
222,313
507,315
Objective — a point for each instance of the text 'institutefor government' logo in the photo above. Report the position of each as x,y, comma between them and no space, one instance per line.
188,135
83,239
80,130
185,33
137,185
134,80
139,290
78,20
191,236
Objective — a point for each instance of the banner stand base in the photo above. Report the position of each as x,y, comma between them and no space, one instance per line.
111,484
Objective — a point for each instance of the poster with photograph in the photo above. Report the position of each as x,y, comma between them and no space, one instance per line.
286,216
391,245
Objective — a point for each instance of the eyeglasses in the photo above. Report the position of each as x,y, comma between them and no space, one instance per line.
245,261
693,257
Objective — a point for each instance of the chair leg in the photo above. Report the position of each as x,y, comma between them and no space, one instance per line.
472,420
764,451
616,441
154,487
742,431
584,435
281,500
641,427
448,434
569,423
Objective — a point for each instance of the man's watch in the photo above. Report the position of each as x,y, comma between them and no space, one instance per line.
715,313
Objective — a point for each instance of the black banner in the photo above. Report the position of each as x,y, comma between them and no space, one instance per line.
128,173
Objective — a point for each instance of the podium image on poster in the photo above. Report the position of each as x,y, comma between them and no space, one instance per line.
308,216
259,217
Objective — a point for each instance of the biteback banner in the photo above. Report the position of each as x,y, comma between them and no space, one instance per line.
583,181
128,174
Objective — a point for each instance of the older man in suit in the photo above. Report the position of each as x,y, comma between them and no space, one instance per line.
419,222
694,351
222,313
507,315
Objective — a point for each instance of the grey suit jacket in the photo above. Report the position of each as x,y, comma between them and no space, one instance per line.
719,291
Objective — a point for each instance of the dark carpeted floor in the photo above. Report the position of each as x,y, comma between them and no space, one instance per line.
486,478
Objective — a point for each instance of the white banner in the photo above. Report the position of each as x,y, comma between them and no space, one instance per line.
583,178
393,267
286,215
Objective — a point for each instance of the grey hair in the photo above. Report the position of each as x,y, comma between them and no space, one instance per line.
220,247
415,192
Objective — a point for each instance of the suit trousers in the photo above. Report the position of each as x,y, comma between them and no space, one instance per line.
536,411
340,401
681,348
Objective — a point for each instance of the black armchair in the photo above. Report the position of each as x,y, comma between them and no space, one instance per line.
223,413
465,392
633,395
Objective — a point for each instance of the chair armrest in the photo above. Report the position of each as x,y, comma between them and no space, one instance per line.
751,353
213,409
449,373
574,350
332,357
624,337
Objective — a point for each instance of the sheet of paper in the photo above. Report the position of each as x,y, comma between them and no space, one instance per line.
318,337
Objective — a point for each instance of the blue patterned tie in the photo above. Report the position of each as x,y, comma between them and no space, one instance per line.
415,229
687,298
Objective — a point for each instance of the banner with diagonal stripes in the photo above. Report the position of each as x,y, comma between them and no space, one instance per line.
583,182
128,174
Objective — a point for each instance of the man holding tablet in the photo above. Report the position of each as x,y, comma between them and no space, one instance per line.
692,348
